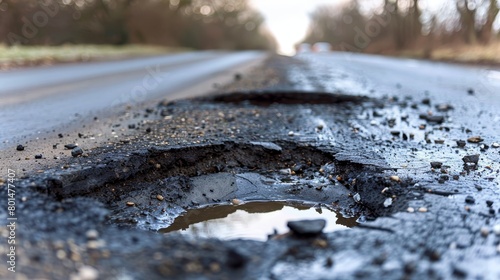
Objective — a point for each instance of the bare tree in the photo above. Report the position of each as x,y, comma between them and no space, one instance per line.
487,29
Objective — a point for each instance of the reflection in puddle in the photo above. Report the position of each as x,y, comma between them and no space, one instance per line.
253,220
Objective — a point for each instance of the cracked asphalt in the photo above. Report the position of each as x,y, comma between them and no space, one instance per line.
393,142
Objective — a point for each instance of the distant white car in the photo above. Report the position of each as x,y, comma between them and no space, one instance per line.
321,47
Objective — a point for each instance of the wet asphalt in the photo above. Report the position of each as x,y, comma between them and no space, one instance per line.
409,147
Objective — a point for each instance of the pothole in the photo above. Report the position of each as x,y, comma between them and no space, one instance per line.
151,188
286,97
253,220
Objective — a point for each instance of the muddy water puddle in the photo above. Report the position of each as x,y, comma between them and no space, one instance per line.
252,220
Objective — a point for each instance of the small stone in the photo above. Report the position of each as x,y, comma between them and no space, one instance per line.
422,210
130,203
70,146
88,273
20,148
489,203
236,201
92,234
475,139
286,171
436,164
495,145
159,197
439,141
471,159
387,202
435,119
320,127
496,229
131,126
470,91
307,227
357,197
77,152
38,156
444,107
298,168
410,210
461,143
485,232
470,200
395,178
291,133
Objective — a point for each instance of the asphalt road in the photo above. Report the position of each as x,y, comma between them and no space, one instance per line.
42,99
410,147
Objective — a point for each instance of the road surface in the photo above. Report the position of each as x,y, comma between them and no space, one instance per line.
408,148
42,99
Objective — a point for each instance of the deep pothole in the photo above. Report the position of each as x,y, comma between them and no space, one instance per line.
151,189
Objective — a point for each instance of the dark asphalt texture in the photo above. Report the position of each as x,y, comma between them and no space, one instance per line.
383,131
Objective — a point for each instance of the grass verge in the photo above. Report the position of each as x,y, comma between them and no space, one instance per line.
19,56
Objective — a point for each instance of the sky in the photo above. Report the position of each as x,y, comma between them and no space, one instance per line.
288,20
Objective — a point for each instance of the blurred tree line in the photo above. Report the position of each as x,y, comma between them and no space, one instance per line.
197,24
395,25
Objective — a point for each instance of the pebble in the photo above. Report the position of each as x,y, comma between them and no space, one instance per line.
387,202
130,203
159,197
475,139
395,178
307,227
496,229
495,145
70,146
439,141
471,159
291,133
20,148
422,209
489,203
410,210
435,119
286,171
88,273
485,232
236,201
38,156
357,197
77,152
461,143
92,234
436,164
470,200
